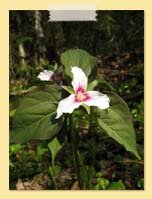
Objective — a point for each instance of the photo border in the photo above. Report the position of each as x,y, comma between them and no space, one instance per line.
5,6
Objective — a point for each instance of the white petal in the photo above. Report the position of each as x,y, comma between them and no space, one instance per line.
97,99
80,80
67,105
45,75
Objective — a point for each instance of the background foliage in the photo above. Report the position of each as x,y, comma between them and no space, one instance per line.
117,42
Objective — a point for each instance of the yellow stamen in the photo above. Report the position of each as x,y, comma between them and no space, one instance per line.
80,97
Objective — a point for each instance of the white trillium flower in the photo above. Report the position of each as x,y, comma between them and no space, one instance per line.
45,75
81,95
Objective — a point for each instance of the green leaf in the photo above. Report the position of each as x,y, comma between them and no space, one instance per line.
11,113
117,186
116,121
15,148
35,118
92,85
77,57
40,150
101,84
68,89
87,108
102,184
54,171
54,147
140,183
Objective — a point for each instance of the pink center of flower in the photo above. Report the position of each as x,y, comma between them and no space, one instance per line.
81,96
80,89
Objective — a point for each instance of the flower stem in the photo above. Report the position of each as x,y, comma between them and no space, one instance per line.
92,137
75,154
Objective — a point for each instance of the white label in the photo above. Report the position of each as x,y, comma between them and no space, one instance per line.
72,15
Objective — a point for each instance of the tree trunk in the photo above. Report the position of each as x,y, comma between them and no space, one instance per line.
22,54
40,48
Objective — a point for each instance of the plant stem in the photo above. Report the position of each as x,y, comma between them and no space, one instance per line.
75,154
92,137
53,177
